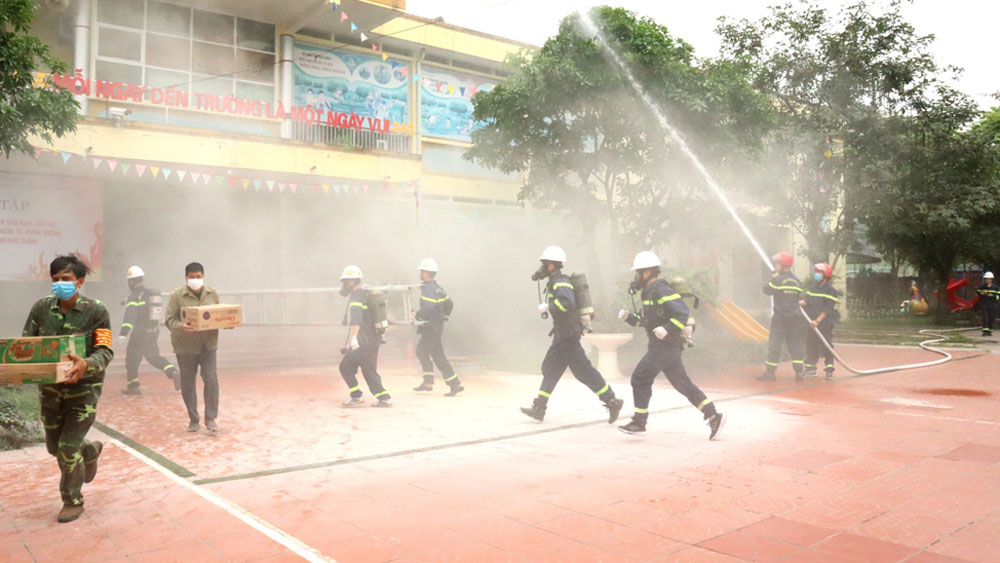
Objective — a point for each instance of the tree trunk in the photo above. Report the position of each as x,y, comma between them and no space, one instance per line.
941,310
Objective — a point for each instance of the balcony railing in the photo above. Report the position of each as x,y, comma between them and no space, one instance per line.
339,136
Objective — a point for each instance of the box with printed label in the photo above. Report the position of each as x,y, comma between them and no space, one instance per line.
38,359
212,317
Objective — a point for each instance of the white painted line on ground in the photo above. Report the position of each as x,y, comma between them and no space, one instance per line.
783,400
914,403
294,544
951,418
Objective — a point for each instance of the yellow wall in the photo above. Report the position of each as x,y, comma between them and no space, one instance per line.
448,38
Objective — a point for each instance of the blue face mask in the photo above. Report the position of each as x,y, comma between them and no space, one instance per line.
64,289
818,276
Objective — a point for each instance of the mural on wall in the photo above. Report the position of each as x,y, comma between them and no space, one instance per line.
446,103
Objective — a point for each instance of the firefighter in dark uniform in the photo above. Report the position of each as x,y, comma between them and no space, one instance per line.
820,304
787,322
363,343
565,350
140,330
69,408
435,307
989,302
664,316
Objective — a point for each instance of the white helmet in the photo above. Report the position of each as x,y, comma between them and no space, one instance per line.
645,259
428,265
351,273
988,275
553,254
135,272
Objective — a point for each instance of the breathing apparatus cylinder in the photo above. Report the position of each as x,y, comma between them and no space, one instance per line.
584,303
377,306
155,301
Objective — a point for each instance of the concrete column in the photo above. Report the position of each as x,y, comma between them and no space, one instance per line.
81,46
286,48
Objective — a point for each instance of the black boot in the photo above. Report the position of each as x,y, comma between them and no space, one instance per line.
456,388
425,386
614,407
766,376
635,426
537,409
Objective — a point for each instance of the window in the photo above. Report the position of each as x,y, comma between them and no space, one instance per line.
158,44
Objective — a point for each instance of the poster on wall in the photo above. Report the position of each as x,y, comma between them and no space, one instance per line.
346,82
446,103
42,217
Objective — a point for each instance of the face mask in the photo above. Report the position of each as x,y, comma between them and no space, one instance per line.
64,289
345,290
541,273
196,284
818,276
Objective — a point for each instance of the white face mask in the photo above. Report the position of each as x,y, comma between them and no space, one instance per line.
196,283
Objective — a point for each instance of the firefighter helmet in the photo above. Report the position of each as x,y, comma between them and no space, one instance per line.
428,265
783,258
553,254
988,275
135,272
646,259
351,273
824,269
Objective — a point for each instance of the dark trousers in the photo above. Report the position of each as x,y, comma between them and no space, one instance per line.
570,354
785,331
430,352
665,356
815,348
989,315
142,344
189,378
365,358
68,411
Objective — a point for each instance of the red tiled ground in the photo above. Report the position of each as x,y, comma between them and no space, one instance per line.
809,472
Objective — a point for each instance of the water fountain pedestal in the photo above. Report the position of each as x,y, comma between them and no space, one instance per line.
607,352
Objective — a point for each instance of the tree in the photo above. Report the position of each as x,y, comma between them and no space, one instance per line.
587,144
26,110
842,86
932,205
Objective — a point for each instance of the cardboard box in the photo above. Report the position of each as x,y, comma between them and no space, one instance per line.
40,359
212,317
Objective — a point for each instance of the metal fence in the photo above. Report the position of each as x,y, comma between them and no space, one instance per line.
321,306
339,136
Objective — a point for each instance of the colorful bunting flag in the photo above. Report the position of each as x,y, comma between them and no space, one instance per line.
384,56
246,183
65,156
336,189
155,170
208,178
140,169
97,162
462,90
181,174
281,186
326,188
293,187
112,164
270,185
166,173
256,185
195,176
125,168
363,37
451,90
353,27
343,17
233,181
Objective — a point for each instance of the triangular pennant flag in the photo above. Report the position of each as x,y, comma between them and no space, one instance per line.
353,27
394,64
166,173
314,187
181,174
343,17
97,162
208,178
363,36
155,170
140,169
234,181
365,188
462,90
438,83
326,188
195,176
384,56
38,151
246,183
416,77
405,70
256,185
112,164
293,187
451,90
218,181
281,186
334,6
270,185
125,168
66,156
336,189
472,90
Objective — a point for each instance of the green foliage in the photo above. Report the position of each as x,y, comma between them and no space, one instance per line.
19,417
568,119
841,85
26,110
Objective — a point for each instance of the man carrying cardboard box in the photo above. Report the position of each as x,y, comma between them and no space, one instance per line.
70,408
195,348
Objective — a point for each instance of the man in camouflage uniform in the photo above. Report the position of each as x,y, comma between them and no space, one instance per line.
69,408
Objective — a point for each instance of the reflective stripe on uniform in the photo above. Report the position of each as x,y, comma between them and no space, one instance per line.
544,394
169,367
355,388
640,411
796,361
428,373
702,404
666,298
127,325
447,379
785,287
679,324
425,298
382,393
562,284
558,304
604,389
357,304
830,297
135,304
771,364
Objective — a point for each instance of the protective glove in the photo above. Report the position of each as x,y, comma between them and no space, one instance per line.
354,343
688,332
660,332
543,307
122,339
622,315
